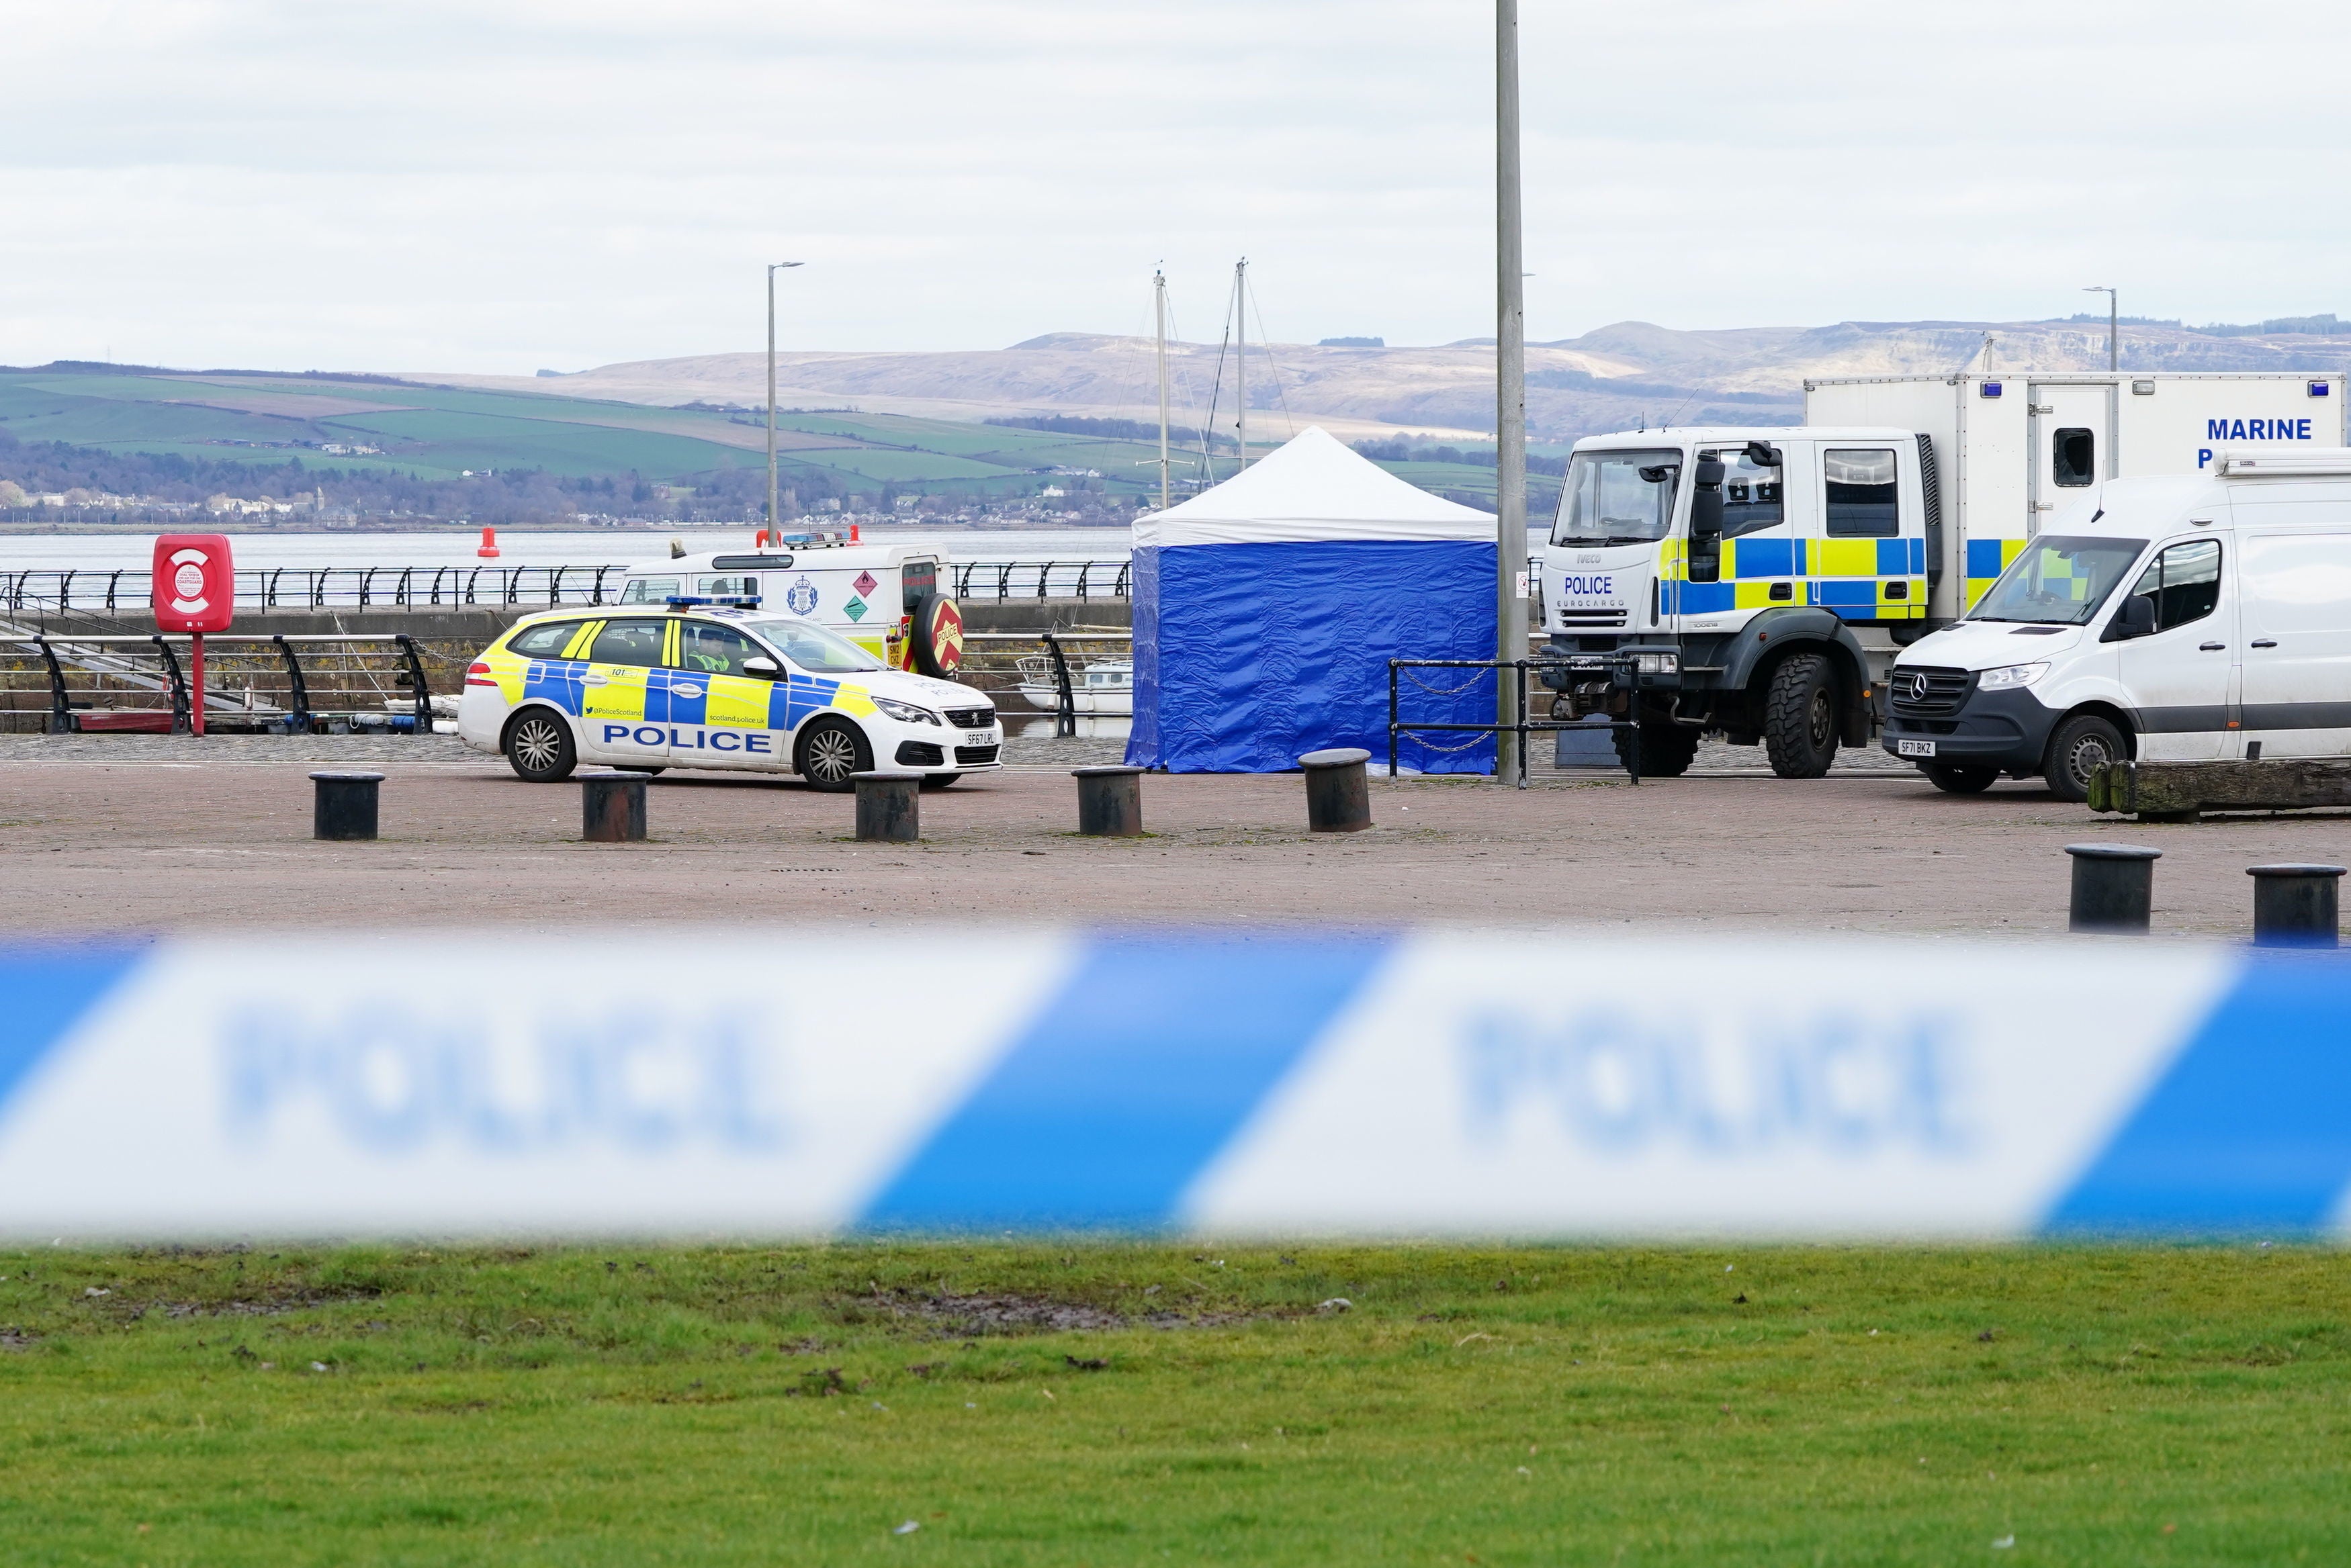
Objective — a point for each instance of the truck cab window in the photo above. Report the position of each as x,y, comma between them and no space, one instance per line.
1617,497
1863,501
2183,583
1752,495
2074,458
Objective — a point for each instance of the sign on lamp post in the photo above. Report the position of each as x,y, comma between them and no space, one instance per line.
193,585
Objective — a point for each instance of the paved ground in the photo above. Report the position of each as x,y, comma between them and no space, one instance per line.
125,833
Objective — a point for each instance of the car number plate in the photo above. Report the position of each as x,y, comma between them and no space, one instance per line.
978,738
1914,748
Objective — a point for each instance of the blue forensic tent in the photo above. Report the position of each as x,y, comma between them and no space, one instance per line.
1267,608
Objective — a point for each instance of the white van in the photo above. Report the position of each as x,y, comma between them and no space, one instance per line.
894,601
2197,618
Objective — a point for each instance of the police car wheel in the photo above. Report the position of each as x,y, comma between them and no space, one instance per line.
939,781
2081,745
538,747
831,752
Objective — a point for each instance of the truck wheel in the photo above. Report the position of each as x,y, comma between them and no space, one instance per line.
2082,743
830,752
1667,749
1800,717
1952,778
538,747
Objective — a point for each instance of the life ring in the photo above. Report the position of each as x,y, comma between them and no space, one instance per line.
938,636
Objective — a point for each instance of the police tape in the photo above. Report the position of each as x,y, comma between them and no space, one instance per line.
1555,1084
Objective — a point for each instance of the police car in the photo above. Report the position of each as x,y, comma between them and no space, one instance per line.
714,684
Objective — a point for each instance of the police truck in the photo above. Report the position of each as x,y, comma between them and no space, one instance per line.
1758,581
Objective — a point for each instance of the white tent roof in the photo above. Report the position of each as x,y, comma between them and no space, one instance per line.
1312,489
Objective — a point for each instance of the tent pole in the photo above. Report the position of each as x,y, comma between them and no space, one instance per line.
1510,393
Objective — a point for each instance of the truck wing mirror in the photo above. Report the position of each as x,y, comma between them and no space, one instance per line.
2134,618
1705,502
1762,455
766,668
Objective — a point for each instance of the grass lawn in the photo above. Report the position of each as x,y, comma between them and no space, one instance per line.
1099,1404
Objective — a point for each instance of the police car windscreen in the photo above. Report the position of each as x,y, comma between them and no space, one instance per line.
813,648
1617,497
2059,580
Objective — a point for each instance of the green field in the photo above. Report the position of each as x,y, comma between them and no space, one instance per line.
1106,1404
438,432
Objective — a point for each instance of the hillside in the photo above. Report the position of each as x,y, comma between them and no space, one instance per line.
1614,378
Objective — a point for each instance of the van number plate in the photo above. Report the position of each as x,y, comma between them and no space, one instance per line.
1914,748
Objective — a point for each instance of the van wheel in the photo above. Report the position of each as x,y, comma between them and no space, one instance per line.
2082,743
1951,778
1667,749
1800,717
538,747
831,752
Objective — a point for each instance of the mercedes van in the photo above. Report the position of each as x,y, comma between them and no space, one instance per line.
2179,618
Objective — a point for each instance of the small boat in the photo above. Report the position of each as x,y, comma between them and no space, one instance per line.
1104,686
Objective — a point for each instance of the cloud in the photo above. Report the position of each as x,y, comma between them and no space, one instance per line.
506,184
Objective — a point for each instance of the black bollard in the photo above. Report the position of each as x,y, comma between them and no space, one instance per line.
611,807
2296,906
889,807
342,805
1110,800
1338,796
2114,887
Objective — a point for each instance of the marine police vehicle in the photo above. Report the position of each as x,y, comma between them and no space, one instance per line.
1761,581
704,683
2182,619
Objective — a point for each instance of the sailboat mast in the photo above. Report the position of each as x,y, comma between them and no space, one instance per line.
1159,310
1240,352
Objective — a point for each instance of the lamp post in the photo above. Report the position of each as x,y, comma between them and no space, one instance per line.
2114,351
1509,394
773,268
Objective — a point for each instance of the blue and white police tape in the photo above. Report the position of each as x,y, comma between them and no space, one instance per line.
1552,1083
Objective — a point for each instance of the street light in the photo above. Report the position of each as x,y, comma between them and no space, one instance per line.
2114,353
773,268
1510,400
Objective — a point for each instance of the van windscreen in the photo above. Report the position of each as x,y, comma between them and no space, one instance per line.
2058,580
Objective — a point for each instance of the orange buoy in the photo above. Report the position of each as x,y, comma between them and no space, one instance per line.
489,550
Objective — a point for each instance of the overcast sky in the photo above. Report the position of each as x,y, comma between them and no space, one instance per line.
499,185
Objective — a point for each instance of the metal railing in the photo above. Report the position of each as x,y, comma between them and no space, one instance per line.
1621,673
1002,580
320,587
292,684
407,588
1076,669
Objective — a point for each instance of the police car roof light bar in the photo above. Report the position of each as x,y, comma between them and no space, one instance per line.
684,601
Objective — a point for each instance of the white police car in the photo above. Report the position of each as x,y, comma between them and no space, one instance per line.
714,684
